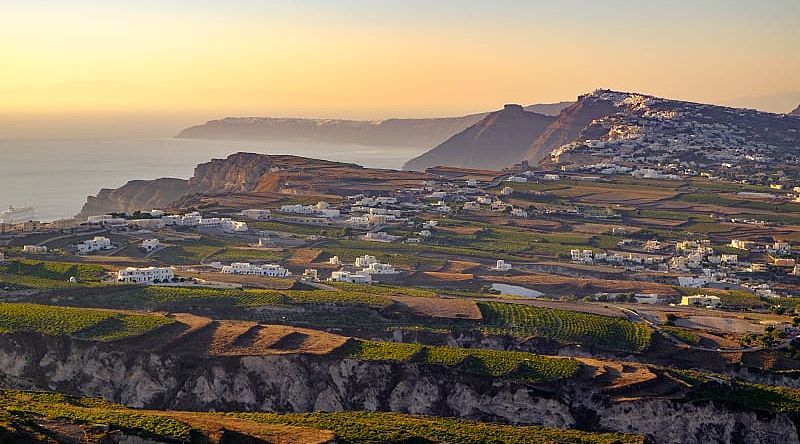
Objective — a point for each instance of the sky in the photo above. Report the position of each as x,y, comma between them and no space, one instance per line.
171,62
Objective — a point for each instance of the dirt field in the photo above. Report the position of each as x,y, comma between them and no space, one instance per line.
240,338
459,266
451,308
562,285
304,256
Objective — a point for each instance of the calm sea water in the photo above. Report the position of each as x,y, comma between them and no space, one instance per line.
56,176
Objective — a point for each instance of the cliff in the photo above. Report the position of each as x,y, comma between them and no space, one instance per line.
302,383
135,195
390,132
249,173
422,133
796,111
566,127
638,130
500,139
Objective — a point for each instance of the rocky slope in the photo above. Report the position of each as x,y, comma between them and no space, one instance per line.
249,173
640,130
135,195
796,111
498,140
299,383
422,133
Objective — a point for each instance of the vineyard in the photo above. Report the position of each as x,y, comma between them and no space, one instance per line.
83,323
19,411
500,364
46,274
178,298
565,327
375,427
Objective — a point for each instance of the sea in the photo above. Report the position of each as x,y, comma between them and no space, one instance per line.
56,176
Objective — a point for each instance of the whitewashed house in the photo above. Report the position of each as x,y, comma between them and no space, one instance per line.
96,244
246,268
352,278
34,249
149,245
149,275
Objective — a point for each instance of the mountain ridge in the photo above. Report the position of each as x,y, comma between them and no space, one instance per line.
496,141
412,132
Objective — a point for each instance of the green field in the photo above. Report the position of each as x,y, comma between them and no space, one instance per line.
565,327
500,364
25,273
372,427
20,412
83,323
744,394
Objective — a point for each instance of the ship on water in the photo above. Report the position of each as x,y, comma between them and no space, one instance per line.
16,215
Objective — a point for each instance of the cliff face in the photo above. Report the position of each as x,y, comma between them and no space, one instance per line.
249,173
296,383
567,126
134,195
390,132
423,133
499,140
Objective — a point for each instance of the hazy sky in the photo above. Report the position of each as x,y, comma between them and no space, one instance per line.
371,59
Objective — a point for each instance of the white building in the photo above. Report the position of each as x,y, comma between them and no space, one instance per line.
352,278
502,266
517,179
551,177
742,244
379,236
96,244
471,206
507,191
270,270
519,212
149,245
335,261
729,259
365,261
149,275
472,183
2,257
378,268
256,214
584,256
34,249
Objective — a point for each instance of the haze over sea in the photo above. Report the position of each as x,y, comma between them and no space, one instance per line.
56,176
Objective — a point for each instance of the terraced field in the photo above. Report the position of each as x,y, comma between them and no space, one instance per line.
79,322
500,364
565,327
39,417
25,273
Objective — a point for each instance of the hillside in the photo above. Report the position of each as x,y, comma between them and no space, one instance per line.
636,130
249,173
796,111
498,140
422,133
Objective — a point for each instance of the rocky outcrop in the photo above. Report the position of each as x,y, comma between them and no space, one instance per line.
135,195
567,126
796,111
249,173
499,140
300,383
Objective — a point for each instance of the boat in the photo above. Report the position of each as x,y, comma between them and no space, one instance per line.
16,215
